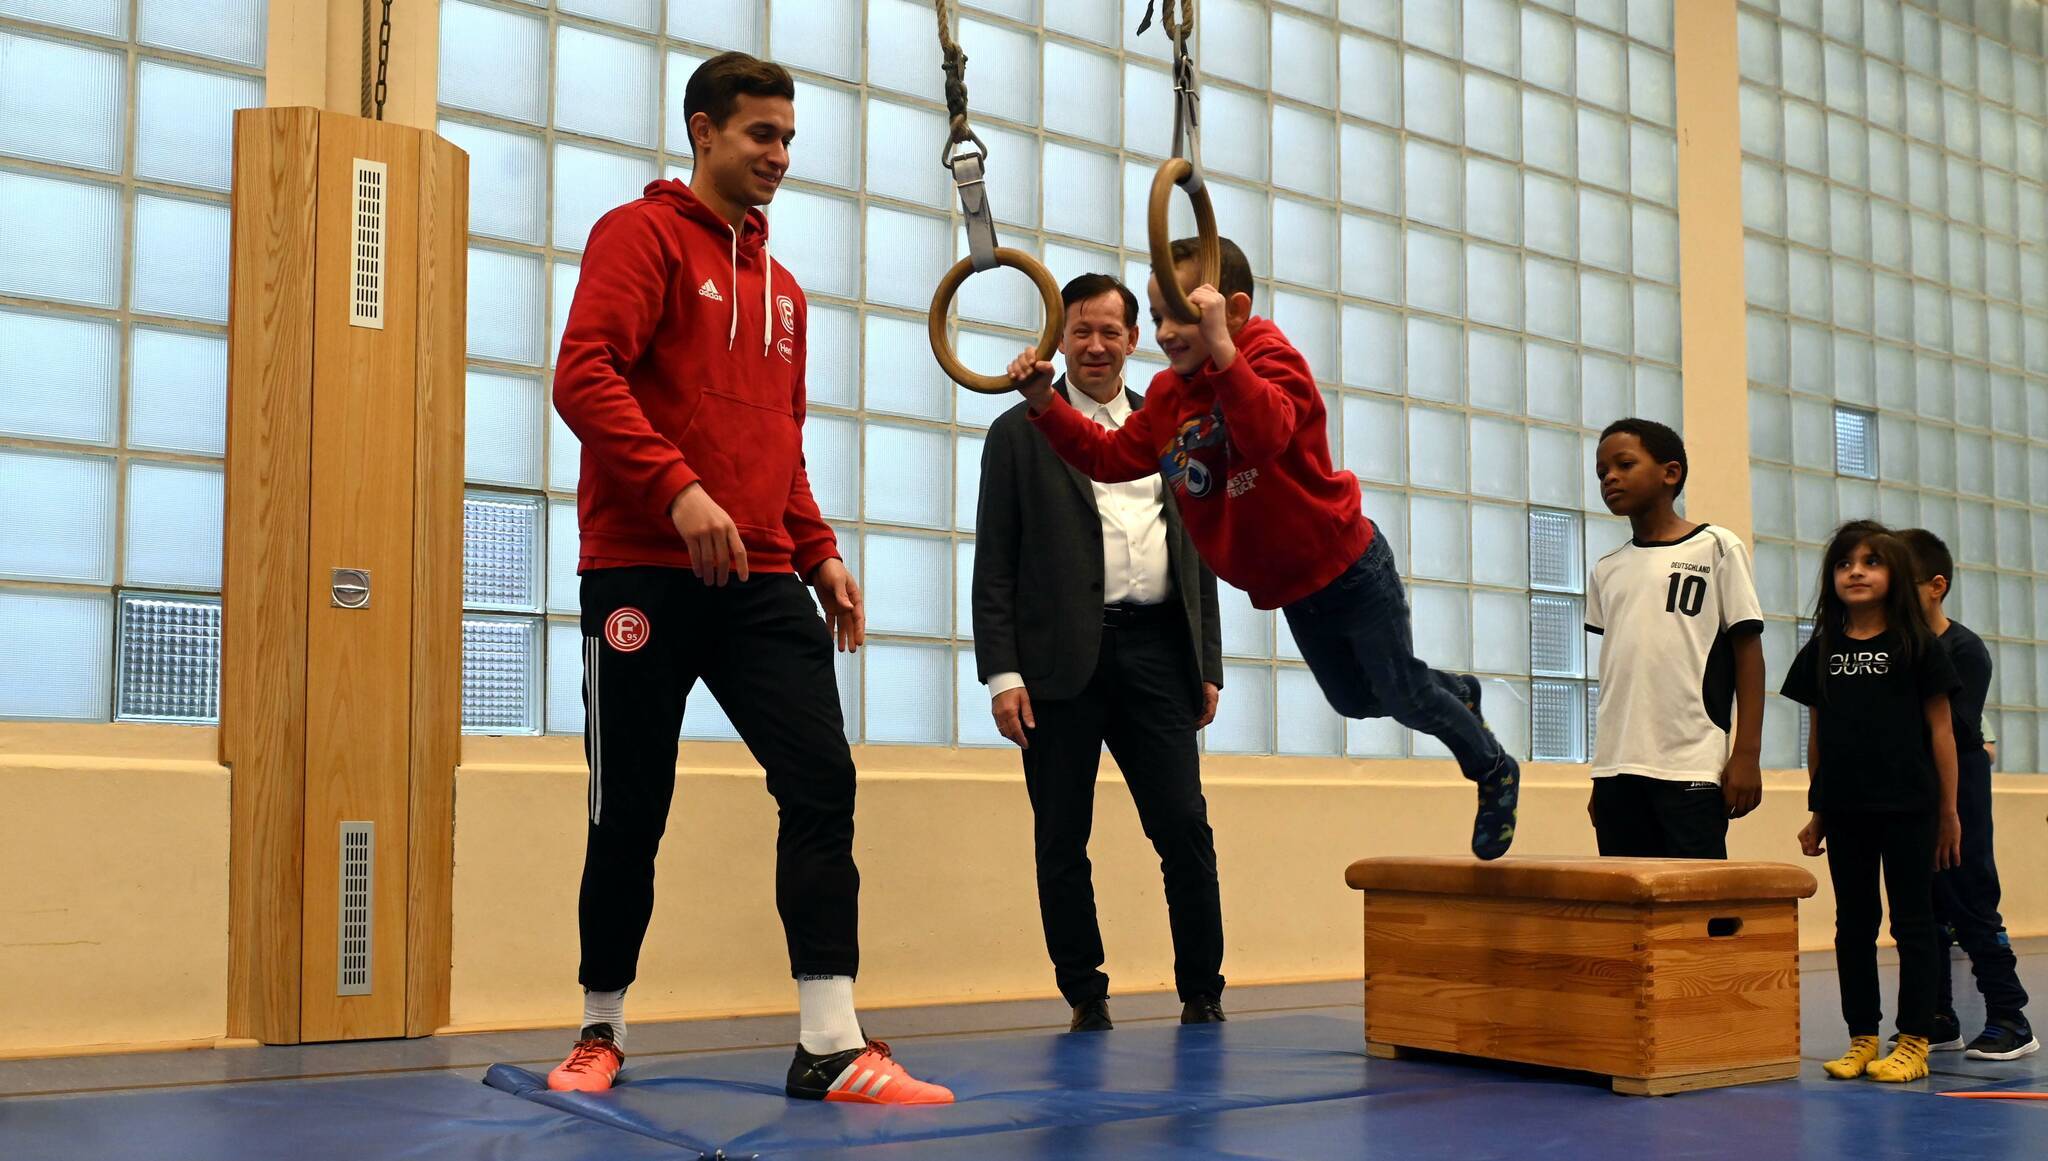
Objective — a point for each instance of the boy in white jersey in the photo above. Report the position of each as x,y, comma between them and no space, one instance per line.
1680,624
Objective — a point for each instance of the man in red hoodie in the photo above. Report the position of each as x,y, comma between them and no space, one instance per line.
1239,430
682,373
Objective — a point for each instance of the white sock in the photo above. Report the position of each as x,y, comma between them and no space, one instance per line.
607,1008
826,1022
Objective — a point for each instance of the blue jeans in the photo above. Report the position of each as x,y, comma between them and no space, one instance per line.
1356,638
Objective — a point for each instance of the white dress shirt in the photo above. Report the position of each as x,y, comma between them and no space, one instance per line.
1137,569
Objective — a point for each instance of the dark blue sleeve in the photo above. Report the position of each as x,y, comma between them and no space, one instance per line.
1972,664
1934,673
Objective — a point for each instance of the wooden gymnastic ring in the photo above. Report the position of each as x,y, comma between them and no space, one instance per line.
1173,172
942,305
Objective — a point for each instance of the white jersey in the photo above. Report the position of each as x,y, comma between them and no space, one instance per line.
1668,611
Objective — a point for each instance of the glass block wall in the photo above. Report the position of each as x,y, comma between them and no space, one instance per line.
115,159
1463,211
1896,259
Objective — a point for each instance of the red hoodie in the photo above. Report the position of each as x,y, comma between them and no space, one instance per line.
683,362
1247,453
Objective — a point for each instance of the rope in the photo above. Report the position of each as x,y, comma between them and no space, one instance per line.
956,78
967,168
964,153
1178,33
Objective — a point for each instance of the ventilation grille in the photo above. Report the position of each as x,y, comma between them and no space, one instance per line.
358,844
366,290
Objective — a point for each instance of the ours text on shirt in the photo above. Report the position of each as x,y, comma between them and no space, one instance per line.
1864,663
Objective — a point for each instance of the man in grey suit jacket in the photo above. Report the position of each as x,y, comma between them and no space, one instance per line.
1095,622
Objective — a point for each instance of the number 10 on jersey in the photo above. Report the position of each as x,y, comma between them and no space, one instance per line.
1687,594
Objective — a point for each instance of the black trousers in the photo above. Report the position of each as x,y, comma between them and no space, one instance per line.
1656,818
762,649
1139,702
1899,846
1966,903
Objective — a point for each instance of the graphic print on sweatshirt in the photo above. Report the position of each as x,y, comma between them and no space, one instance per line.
1197,456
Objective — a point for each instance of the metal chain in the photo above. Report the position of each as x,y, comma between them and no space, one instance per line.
383,57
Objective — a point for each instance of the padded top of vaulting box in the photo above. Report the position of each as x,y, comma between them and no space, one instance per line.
1585,879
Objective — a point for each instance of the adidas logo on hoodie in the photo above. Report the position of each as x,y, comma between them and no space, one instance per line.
711,292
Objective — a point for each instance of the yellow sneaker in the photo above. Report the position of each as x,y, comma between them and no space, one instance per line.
1851,1064
1908,1061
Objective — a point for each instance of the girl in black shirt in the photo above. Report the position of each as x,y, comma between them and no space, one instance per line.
1882,758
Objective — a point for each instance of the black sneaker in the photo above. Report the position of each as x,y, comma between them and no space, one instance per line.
1947,1035
1500,793
868,1075
1091,1016
1203,1009
2004,1041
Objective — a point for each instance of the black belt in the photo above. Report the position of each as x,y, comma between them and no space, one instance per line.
1126,615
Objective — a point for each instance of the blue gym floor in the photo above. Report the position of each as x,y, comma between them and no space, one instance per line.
1287,1078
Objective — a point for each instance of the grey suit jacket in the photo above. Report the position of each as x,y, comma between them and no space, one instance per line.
1038,568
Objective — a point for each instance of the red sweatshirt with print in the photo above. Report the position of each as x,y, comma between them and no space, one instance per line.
1247,454
683,362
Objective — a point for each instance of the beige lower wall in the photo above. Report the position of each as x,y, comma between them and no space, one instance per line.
113,886
949,907
114,844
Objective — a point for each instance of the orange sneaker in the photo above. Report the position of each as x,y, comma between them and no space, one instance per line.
592,1064
869,1076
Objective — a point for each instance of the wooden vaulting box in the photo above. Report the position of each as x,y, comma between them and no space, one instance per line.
342,579
1663,974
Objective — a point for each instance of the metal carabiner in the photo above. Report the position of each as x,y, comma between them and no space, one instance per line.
971,181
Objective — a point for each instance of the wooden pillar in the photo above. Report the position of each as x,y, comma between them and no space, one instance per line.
263,648
342,587
440,386
1713,315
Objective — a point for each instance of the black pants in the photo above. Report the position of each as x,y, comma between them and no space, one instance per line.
1140,702
1900,847
761,647
1656,818
1966,903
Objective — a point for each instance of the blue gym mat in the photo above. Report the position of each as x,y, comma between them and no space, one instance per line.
1264,1087
734,1102
1286,1086
1292,1086
1529,1119
428,1116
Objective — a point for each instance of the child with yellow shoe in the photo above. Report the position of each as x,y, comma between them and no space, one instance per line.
1882,758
